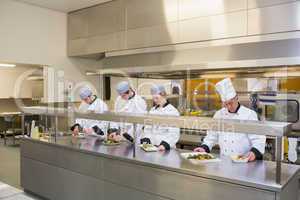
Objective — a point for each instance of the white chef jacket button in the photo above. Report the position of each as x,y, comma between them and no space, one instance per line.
232,141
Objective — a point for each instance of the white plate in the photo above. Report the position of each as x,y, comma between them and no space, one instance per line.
149,149
113,144
194,161
80,136
236,160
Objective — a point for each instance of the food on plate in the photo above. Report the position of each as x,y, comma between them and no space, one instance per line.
200,157
239,158
111,142
79,135
149,147
203,156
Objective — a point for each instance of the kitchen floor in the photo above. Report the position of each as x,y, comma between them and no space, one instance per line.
8,192
10,188
10,164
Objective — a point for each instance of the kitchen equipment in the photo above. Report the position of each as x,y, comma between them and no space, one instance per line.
281,107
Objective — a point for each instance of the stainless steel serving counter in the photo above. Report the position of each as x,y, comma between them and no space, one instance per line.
72,168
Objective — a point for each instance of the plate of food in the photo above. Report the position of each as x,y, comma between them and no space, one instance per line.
239,159
79,135
111,143
149,147
199,157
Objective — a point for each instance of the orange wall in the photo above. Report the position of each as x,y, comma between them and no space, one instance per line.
199,85
290,84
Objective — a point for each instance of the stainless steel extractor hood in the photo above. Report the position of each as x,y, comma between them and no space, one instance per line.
192,62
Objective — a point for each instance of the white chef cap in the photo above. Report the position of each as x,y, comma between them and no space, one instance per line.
122,87
157,89
226,89
85,92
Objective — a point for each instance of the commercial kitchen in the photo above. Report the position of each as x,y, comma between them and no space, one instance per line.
150,99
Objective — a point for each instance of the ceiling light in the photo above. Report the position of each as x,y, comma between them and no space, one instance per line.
7,65
213,76
35,78
281,74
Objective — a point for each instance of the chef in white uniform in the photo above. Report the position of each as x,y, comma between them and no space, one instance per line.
90,103
163,137
127,102
233,144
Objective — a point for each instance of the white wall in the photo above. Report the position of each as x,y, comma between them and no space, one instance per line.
8,81
34,35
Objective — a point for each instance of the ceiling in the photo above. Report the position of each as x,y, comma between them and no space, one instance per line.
65,5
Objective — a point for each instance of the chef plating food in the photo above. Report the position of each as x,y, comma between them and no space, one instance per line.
247,146
127,102
90,103
163,137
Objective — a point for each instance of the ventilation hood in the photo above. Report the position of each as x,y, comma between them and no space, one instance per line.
192,62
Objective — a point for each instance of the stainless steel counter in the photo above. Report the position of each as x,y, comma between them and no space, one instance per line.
141,175
256,175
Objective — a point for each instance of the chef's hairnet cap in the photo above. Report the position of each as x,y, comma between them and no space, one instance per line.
226,90
157,89
123,87
85,93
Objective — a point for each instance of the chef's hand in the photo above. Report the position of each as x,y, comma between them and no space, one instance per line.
88,130
251,156
115,137
199,149
75,131
161,148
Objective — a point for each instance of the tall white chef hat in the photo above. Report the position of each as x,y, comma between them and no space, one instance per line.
226,89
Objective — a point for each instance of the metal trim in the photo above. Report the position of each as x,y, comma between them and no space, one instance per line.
269,128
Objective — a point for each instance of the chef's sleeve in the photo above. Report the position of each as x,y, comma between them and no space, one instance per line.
115,125
146,135
258,141
211,139
81,122
141,106
170,139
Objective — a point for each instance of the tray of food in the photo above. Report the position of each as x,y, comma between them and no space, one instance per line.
199,157
240,159
149,147
111,143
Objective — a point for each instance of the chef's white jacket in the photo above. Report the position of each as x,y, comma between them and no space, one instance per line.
98,106
135,105
232,143
158,133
